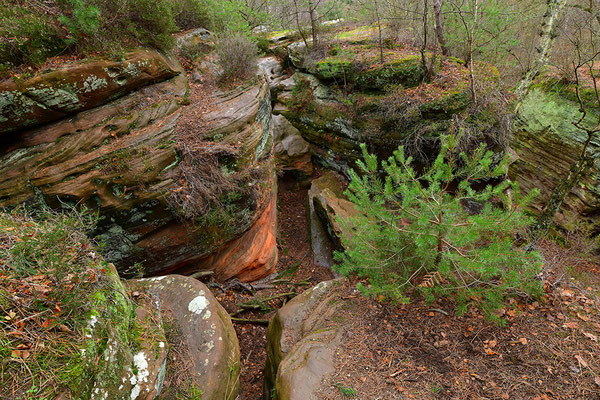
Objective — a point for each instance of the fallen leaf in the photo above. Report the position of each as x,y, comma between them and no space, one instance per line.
583,317
492,343
590,336
571,325
523,340
581,361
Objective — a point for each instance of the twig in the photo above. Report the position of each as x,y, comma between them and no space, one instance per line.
251,321
438,310
201,274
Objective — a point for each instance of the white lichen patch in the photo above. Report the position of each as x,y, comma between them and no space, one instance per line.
94,83
199,304
206,315
135,392
141,364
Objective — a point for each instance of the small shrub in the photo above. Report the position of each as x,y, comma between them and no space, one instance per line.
414,230
237,56
190,14
27,38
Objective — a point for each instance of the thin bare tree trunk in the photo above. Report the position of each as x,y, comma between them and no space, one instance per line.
313,23
471,40
298,23
544,49
439,26
424,65
379,28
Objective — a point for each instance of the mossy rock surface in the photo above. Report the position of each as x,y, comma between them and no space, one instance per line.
302,339
336,126
406,71
546,144
50,96
206,332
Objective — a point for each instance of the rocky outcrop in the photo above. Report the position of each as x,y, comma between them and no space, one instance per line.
171,312
331,206
545,146
54,95
291,150
345,96
204,334
195,42
123,159
302,339
324,228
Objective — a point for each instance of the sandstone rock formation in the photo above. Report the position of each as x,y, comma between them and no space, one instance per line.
291,150
50,96
122,157
546,144
325,190
330,206
301,342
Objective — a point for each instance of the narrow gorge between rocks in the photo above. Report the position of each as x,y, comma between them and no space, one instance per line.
221,215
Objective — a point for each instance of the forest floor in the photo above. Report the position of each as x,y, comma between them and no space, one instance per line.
548,349
296,272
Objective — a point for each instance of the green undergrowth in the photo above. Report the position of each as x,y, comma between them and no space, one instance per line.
62,308
29,36
436,233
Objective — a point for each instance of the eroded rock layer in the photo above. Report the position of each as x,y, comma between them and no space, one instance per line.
546,144
123,157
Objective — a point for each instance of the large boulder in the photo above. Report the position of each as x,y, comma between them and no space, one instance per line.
332,208
202,330
291,150
545,146
54,95
326,202
302,340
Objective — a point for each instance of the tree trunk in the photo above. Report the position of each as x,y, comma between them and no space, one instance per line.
379,28
313,23
471,41
298,24
439,27
544,49
541,226
424,65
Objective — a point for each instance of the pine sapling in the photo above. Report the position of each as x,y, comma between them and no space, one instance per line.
442,231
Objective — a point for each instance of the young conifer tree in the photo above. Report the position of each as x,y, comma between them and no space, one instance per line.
434,231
